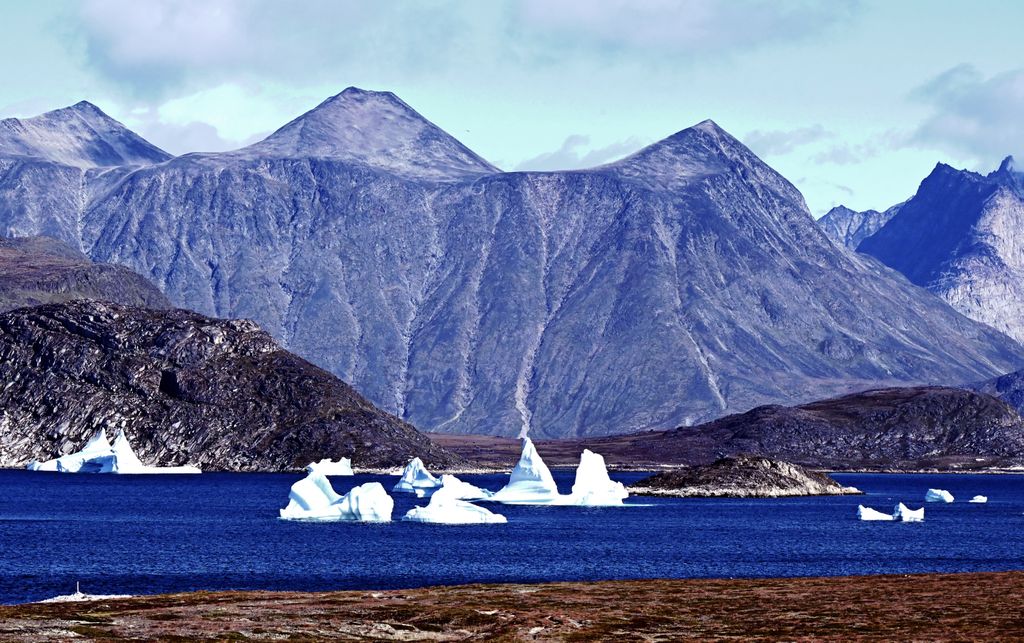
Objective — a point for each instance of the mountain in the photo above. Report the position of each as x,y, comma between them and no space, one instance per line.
850,227
40,270
186,389
961,237
676,285
78,136
1008,388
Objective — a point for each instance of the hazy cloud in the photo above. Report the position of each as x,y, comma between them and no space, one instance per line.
779,142
576,153
982,117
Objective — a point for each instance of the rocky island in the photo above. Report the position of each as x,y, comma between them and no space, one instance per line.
743,476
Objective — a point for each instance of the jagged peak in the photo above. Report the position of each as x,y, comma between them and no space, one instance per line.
374,128
1008,165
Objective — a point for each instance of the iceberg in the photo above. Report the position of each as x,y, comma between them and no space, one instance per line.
905,514
867,513
328,467
99,456
530,481
938,495
313,498
462,490
978,499
593,487
416,479
445,508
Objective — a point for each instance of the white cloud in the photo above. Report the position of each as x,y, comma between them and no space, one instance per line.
576,153
974,115
779,142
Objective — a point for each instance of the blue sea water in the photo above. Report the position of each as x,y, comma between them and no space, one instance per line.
151,534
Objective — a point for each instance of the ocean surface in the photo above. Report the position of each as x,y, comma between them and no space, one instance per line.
151,534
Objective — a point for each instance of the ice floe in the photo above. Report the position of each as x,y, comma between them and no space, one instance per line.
328,467
867,513
530,481
978,499
938,495
99,456
904,513
446,508
416,479
462,490
313,498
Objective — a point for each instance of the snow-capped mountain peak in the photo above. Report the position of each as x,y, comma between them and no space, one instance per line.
81,135
377,129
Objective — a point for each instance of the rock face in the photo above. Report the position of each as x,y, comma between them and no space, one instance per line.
898,428
961,237
186,389
40,270
850,227
741,477
1008,388
681,283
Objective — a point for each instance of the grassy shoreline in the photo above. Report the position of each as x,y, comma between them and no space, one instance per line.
977,606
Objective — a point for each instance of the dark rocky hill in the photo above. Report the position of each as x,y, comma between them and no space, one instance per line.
186,389
40,270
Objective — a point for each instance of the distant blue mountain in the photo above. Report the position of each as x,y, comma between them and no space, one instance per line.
681,283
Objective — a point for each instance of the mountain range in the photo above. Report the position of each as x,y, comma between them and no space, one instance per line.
679,284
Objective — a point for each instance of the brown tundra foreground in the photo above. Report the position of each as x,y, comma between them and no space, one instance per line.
982,606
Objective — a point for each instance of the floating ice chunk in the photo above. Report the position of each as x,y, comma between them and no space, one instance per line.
530,481
416,479
328,467
867,513
445,508
99,456
978,499
313,498
593,487
938,495
905,514
462,490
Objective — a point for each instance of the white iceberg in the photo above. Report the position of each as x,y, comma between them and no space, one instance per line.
905,514
313,498
99,456
530,482
938,495
445,508
867,513
593,487
462,490
416,479
978,499
328,467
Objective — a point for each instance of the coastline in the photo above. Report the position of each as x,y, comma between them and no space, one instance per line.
978,606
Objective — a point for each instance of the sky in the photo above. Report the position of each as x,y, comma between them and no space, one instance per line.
854,101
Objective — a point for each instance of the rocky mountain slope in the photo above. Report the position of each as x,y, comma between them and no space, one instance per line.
961,236
186,389
1008,388
850,227
743,476
40,270
679,284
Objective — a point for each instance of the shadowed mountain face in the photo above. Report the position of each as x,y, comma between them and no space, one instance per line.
961,237
850,227
186,389
40,270
681,283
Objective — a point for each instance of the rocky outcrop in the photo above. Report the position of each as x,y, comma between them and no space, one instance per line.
682,283
962,237
40,270
185,388
742,476
1008,388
